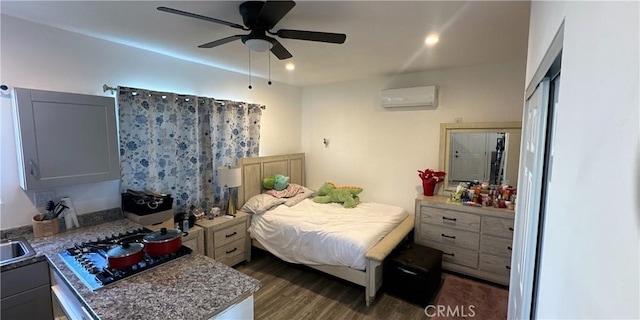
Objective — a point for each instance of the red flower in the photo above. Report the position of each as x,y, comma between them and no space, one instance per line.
431,176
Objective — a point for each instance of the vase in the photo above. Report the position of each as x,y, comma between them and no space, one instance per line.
428,188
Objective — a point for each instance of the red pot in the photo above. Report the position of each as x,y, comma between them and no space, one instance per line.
163,242
125,255
428,188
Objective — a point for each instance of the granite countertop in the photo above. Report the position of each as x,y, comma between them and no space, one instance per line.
192,287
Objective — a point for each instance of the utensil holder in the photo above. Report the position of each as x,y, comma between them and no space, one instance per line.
44,228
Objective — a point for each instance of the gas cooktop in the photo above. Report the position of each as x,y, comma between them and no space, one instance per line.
89,261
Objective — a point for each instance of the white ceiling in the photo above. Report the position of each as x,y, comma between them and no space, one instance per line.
383,37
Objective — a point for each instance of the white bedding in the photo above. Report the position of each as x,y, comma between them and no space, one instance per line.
313,233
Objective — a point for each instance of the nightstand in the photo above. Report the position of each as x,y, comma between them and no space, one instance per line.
195,240
226,239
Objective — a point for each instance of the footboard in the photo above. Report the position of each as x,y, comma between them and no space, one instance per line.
376,255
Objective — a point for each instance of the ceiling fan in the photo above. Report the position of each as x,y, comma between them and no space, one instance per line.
259,18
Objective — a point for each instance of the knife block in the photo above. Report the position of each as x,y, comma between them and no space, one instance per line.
44,228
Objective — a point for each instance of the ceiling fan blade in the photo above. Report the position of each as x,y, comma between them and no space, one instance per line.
220,42
278,50
197,16
272,12
312,36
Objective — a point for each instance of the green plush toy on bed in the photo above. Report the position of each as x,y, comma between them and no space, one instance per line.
277,182
346,195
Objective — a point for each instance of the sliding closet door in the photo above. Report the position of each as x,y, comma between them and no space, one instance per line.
532,158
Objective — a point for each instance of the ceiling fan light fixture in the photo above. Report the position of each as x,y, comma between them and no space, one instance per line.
260,17
258,45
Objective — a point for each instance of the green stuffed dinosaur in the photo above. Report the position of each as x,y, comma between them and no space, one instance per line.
346,195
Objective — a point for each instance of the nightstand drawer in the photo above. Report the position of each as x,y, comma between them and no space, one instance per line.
496,246
494,264
230,234
497,227
449,236
464,257
450,218
230,250
232,260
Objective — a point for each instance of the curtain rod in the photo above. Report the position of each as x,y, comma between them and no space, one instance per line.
106,88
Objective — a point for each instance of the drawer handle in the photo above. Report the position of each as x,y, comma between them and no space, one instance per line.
407,271
449,254
448,236
510,229
450,219
86,313
509,248
231,234
508,268
232,250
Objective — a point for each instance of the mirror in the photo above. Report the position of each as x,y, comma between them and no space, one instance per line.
483,151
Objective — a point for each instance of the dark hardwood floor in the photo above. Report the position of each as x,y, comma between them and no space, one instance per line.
293,292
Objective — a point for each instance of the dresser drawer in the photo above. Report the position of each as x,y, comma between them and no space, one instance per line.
464,257
497,265
449,236
450,218
496,246
229,234
497,227
231,249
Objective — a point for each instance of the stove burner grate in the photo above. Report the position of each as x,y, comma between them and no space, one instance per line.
89,262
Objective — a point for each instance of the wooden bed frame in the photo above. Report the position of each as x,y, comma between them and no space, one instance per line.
292,165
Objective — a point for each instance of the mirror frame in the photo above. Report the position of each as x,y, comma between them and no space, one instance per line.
445,140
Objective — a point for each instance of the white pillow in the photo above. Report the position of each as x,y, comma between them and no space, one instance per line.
260,203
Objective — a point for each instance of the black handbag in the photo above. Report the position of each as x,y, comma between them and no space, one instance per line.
143,203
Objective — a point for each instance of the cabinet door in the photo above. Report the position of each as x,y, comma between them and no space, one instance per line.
65,138
31,304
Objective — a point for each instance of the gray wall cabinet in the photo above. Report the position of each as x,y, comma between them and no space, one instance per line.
65,138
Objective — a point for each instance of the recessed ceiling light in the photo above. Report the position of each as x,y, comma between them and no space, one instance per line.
290,66
432,39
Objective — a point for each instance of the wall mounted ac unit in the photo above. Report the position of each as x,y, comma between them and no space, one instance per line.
409,97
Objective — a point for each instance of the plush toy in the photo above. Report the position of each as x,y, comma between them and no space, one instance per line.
348,196
269,182
277,182
281,183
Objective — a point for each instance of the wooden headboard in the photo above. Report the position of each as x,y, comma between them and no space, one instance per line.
255,169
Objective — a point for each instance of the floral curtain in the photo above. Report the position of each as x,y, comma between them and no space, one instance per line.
173,143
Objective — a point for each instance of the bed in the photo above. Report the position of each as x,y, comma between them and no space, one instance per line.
293,165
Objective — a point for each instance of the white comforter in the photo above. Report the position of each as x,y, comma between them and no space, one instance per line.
313,233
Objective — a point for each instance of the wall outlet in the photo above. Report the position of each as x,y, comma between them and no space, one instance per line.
40,199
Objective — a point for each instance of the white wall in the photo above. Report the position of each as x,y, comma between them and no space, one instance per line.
590,248
39,57
381,150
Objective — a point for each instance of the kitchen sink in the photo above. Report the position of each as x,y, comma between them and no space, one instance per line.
15,249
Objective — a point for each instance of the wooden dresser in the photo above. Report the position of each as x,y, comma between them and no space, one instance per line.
226,239
474,241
